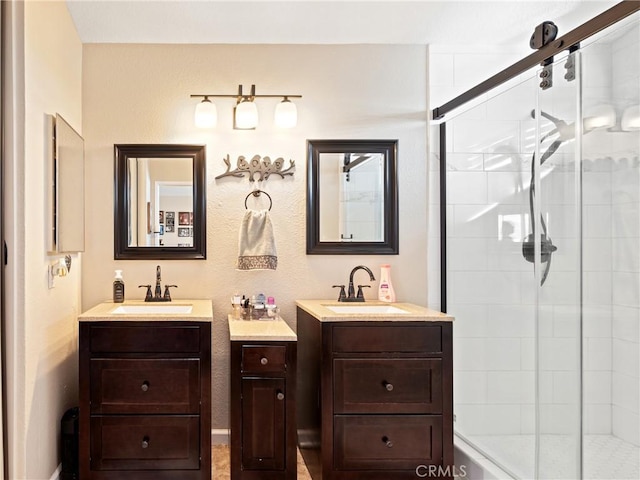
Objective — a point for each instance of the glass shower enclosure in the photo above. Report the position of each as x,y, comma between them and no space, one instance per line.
543,264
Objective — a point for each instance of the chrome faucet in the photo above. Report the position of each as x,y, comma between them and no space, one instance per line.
158,297
351,295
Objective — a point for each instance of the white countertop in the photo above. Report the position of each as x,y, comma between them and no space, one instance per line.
275,330
201,311
414,313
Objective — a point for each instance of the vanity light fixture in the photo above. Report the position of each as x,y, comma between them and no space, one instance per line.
245,111
206,114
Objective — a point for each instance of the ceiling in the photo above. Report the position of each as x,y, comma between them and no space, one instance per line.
445,22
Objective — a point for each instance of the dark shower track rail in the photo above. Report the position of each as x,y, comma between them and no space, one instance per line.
574,37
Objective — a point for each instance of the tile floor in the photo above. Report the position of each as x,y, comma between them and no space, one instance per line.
221,464
605,456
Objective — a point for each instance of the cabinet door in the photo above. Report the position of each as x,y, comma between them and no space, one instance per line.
263,423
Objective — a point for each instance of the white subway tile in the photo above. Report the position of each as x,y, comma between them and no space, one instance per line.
467,254
597,387
485,136
597,221
527,420
473,221
510,321
503,354
597,288
626,254
626,323
505,387
565,387
488,419
597,354
597,419
486,287
597,254
470,387
509,188
626,357
597,321
470,354
596,188
626,392
626,289
625,220
467,188
559,419
464,162
558,354
626,425
471,321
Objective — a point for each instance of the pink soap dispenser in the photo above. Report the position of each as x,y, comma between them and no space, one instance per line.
385,289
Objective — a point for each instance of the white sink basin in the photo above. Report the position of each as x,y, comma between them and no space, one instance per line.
366,309
150,309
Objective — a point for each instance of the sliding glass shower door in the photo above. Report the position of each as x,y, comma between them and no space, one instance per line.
543,265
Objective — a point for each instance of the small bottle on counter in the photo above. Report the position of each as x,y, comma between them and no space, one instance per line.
236,306
385,289
272,309
118,288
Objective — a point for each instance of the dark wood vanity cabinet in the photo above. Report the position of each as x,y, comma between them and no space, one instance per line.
375,397
145,400
262,411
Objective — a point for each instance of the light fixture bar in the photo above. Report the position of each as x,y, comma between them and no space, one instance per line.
245,112
241,95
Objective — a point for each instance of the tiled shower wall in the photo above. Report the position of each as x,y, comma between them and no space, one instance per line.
491,287
625,218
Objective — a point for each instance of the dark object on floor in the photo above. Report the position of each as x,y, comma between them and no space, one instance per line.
69,432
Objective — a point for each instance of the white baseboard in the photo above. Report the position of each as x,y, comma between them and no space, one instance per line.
219,436
56,474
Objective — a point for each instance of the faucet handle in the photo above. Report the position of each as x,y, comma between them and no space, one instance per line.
360,294
342,295
149,296
167,295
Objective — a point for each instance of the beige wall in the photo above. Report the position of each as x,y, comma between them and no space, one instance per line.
42,334
140,94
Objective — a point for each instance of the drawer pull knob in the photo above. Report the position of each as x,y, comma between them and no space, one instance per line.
264,360
387,442
145,442
145,386
388,386
280,396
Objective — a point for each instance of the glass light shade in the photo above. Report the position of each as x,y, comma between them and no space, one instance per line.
599,116
246,115
286,115
631,118
206,114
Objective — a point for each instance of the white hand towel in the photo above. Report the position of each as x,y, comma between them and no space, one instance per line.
257,245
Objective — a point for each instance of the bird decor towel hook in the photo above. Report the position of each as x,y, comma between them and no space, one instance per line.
258,168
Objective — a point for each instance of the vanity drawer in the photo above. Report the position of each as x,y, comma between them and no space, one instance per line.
149,386
137,339
386,442
264,359
145,443
377,385
391,337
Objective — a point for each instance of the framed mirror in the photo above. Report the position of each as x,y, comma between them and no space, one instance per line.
160,202
352,197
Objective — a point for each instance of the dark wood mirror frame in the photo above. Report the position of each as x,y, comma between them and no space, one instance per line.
122,250
389,245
